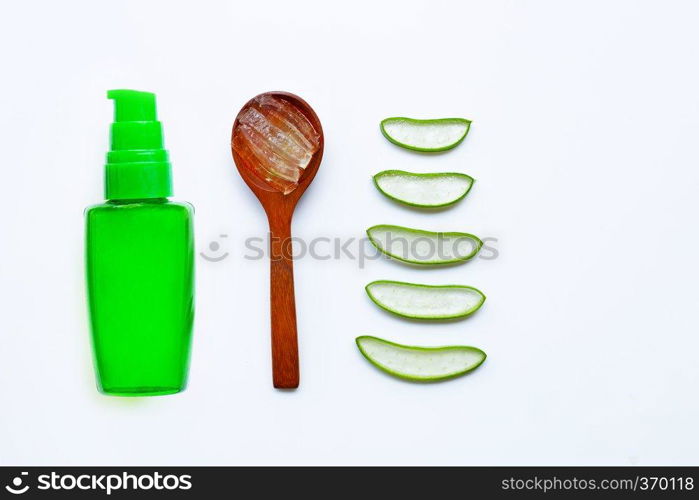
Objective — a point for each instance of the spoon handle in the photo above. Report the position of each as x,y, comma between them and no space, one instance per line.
285,353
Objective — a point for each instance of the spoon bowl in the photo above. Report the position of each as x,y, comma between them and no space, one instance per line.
279,208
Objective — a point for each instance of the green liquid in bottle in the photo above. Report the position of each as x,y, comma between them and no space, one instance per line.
140,262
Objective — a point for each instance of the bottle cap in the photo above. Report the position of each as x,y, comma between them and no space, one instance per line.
137,166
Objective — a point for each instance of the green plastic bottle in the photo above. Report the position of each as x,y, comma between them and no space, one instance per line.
140,261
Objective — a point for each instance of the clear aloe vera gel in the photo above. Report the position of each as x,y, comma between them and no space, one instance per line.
140,261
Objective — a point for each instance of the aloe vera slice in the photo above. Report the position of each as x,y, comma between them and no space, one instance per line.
411,300
423,190
422,364
425,135
416,246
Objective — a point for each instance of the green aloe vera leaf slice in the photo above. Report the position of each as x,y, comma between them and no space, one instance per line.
420,364
412,300
425,135
416,246
424,190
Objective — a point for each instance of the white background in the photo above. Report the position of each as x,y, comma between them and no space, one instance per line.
584,147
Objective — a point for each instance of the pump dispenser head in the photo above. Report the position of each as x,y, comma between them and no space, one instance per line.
138,167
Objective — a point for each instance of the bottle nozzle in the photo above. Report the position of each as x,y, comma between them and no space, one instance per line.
133,105
137,165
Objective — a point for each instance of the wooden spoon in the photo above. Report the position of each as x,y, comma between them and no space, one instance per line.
279,208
